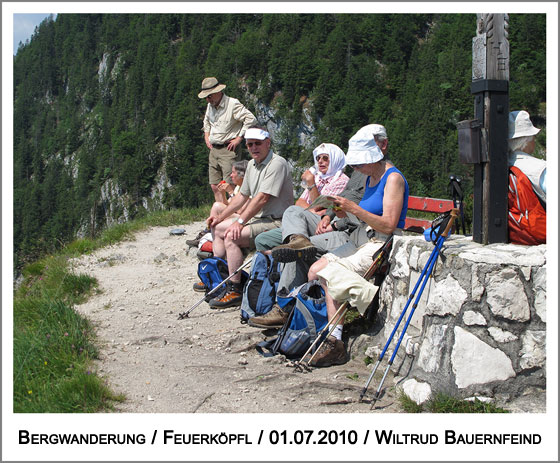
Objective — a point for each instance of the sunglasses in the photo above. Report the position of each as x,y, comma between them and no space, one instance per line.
322,157
358,166
256,143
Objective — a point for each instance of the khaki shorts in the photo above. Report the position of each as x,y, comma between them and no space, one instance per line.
259,225
219,164
357,260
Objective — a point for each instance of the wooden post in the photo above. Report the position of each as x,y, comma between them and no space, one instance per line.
490,85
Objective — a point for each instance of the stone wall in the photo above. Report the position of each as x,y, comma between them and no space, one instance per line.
480,326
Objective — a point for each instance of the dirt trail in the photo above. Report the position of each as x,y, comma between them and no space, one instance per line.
206,363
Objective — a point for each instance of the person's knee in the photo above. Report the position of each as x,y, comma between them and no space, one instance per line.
316,268
217,207
220,230
261,242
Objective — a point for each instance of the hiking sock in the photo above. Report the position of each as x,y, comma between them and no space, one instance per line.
236,286
337,332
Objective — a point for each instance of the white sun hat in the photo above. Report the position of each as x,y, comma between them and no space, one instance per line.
520,125
362,148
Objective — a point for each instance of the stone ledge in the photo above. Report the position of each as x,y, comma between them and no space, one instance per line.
480,325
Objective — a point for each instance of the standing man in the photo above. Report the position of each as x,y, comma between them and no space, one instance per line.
268,191
225,122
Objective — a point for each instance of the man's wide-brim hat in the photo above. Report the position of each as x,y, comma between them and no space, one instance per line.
210,85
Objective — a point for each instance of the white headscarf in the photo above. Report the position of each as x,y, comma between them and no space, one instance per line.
337,160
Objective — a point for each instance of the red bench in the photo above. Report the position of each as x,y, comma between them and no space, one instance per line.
416,203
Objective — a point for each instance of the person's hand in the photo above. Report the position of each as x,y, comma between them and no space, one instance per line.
342,205
222,186
207,140
308,178
234,231
233,143
212,221
324,225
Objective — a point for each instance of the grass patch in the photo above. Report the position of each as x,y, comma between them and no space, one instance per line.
409,405
443,403
54,347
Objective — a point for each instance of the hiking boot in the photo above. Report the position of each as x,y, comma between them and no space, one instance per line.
194,243
199,287
299,247
273,319
332,352
231,298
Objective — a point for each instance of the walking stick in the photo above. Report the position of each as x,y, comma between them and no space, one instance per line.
378,260
457,193
422,280
207,295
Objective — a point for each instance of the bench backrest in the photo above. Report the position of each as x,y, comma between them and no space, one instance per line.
417,203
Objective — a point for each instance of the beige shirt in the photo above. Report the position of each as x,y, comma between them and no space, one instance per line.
272,176
229,120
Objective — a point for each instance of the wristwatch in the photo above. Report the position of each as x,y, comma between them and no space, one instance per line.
310,187
240,220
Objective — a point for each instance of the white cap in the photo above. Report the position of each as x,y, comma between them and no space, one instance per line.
362,148
256,134
520,125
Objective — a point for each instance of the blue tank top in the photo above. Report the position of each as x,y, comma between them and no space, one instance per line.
372,200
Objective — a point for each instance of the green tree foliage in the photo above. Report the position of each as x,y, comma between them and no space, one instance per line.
105,101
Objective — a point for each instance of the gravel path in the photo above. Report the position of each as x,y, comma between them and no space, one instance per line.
206,363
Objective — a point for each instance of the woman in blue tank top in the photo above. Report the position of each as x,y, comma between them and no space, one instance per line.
383,208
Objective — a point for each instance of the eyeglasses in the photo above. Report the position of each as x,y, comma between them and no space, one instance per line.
358,166
322,157
256,143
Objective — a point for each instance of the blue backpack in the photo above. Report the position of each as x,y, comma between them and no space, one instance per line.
212,271
308,317
259,293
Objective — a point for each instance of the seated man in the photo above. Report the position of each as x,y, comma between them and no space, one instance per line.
307,236
383,208
268,189
329,179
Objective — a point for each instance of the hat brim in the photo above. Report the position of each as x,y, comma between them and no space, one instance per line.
529,132
355,157
205,93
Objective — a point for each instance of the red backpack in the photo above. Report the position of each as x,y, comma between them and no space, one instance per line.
527,217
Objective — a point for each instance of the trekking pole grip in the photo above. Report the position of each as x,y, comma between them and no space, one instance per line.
454,215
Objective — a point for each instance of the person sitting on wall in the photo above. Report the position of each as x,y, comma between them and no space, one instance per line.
383,208
307,236
325,177
238,169
267,191
521,146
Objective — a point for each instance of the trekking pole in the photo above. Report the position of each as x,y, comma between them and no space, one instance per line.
207,295
430,266
457,193
378,260
403,312
330,326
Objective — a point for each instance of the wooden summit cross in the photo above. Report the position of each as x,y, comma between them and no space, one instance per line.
490,85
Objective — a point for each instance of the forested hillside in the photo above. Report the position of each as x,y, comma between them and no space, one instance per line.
107,123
